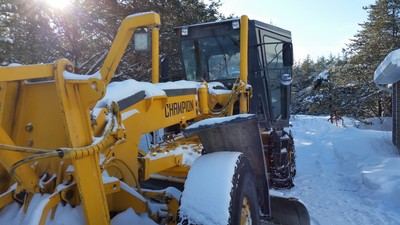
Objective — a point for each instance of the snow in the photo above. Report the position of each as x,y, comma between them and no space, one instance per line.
129,113
323,75
178,84
72,76
188,151
139,14
388,71
382,123
217,120
14,64
7,40
130,217
209,174
117,91
345,175
14,215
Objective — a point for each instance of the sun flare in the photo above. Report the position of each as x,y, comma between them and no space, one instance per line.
58,4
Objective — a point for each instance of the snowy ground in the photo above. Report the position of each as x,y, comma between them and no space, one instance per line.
346,175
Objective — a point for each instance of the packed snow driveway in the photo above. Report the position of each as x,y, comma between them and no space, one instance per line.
345,175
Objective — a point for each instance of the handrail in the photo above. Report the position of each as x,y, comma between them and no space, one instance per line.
244,39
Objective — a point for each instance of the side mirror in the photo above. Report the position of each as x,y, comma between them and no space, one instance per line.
287,54
286,79
141,40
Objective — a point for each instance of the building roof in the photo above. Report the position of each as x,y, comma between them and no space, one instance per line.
388,72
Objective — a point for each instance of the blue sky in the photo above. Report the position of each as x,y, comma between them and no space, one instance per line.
319,27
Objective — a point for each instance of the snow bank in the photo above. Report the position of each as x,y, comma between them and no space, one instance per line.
383,124
384,180
346,175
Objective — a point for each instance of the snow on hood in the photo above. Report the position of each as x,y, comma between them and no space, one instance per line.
119,90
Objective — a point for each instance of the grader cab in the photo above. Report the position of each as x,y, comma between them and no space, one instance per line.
71,147
248,52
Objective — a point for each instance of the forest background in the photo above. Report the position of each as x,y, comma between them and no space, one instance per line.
33,32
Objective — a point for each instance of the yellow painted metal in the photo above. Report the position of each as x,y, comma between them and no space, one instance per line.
112,187
244,39
203,96
123,199
6,198
38,117
45,115
245,217
172,203
6,180
75,100
70,194
23,173
100,123
155,55
15,73
178,171
122,39
51,204
94,201
159,164
153,113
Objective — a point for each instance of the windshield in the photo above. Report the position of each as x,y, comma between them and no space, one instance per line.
212,58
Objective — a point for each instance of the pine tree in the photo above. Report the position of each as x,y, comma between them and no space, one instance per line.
313,88
84,31
379,36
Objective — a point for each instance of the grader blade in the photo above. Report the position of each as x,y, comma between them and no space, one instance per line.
288,211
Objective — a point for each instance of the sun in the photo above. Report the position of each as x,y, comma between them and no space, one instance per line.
58,4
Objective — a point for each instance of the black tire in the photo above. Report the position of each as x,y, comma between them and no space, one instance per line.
245,194
243,206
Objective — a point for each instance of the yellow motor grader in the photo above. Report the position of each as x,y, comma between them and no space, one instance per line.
76,149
